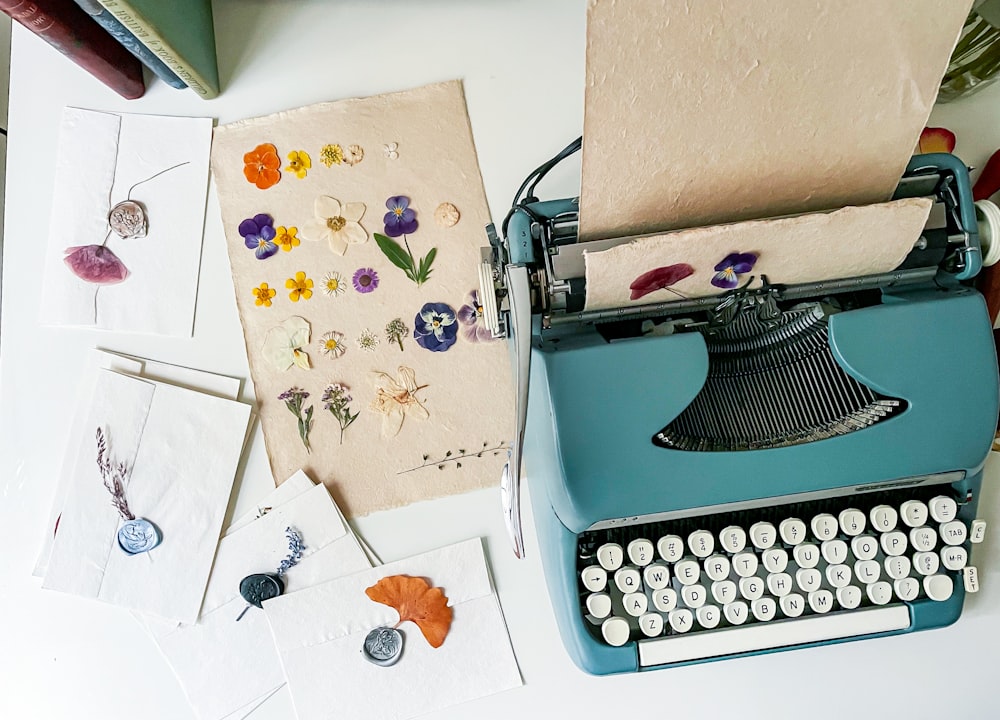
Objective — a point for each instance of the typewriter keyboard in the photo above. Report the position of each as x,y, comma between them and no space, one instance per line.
733,582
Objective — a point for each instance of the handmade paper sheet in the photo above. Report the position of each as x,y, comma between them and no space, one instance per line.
846,243
705,112
325,304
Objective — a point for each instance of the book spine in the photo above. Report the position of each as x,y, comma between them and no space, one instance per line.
130,42
137,24
72,32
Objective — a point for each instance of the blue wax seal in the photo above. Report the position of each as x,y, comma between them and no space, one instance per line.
138,536
259,587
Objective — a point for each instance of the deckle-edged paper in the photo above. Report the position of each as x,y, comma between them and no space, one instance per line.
711,111
448,394
104,159
846,243
319,633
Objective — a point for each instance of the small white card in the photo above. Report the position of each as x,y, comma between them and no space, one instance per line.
320,632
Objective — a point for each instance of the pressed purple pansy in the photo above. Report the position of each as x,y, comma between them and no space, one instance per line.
435,328
471,316
258,235
95,264
365,280
733,265
401,219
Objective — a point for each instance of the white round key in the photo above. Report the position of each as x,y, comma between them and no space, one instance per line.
745,564
665,600
864,547
610,556
599,605
681,620
708,616
724,591
751,588
717,567
763,535
849,597
779,584
792,531
670,547
627,580
594,578
702,543
736,612
852,522
926,563
953,533
824,526
884,518
733,539
651,624
808,579
880,593
821,601
923,538
656,576
694,596
867,571
838,575
635,604
938,587
914,513
615,631
806,555
764,609
977,531
640,552
906,588
897,566
943,508
687,571
954,558
792,605
775,560
893,543
834,551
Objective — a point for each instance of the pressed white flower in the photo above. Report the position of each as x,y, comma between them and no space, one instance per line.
333,283
336,223
355,154
368,340
283,344
391,150
332,343
396,397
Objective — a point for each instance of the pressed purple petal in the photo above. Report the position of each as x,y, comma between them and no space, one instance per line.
252,241
268,233
248,227
397,201
467,315
266,250
390,218
263,219
406,228
470,333
365,280
408,215
742,267
659,278
95,264
725,280
392,229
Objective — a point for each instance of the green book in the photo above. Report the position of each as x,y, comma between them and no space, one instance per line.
179,32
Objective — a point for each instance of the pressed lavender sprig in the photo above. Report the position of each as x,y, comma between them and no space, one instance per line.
295,548
113,475
293,398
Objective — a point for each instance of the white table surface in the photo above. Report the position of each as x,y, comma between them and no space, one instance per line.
523,66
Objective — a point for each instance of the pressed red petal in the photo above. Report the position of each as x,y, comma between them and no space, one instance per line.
936,139
659,278
95,264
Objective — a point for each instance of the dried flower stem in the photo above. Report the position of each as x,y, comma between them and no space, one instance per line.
450,456
295,548
113,475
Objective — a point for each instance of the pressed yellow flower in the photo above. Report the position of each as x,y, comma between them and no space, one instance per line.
299,163
331,155
300,286
263,295
285,238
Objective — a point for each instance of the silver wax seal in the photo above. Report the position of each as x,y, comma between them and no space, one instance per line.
138,536
128,219
383,646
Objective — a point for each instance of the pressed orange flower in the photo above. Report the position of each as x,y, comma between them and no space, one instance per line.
299,163
415,600
263,295
300,286
261,166
285,238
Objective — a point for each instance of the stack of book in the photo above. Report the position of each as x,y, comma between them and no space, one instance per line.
113,39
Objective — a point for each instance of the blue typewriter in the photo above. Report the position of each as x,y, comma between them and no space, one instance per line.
785,467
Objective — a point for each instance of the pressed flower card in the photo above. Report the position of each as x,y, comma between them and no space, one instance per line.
125,231
353,230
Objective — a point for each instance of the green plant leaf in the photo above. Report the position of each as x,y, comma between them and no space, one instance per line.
425,266
396,254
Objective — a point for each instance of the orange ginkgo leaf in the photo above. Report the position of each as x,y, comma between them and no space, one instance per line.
415,600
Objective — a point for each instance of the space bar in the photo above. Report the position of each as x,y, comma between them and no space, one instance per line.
779,633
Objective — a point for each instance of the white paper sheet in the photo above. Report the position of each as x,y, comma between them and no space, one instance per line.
319,634
101,157
186,447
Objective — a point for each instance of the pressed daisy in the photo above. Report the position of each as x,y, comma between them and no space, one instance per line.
286,237
300,286
299,163
263,294
332,343
333,283
368,340
331,155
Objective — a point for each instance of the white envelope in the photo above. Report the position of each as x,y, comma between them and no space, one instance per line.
319,633
291,488
244,651
182,449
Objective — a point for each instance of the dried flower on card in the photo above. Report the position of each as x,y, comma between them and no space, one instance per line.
367,340
300,286
332,343
336,400
474,324
396,330
258,235
732,266
365,280
332,154
294,398
435,327
355,154
415,600
286,237
333,283
391,150
660,278
95,264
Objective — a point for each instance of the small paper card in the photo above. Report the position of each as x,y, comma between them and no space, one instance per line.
320,632
180,450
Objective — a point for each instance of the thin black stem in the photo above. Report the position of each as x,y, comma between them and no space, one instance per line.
128,196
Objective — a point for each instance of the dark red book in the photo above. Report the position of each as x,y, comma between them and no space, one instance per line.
71,31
